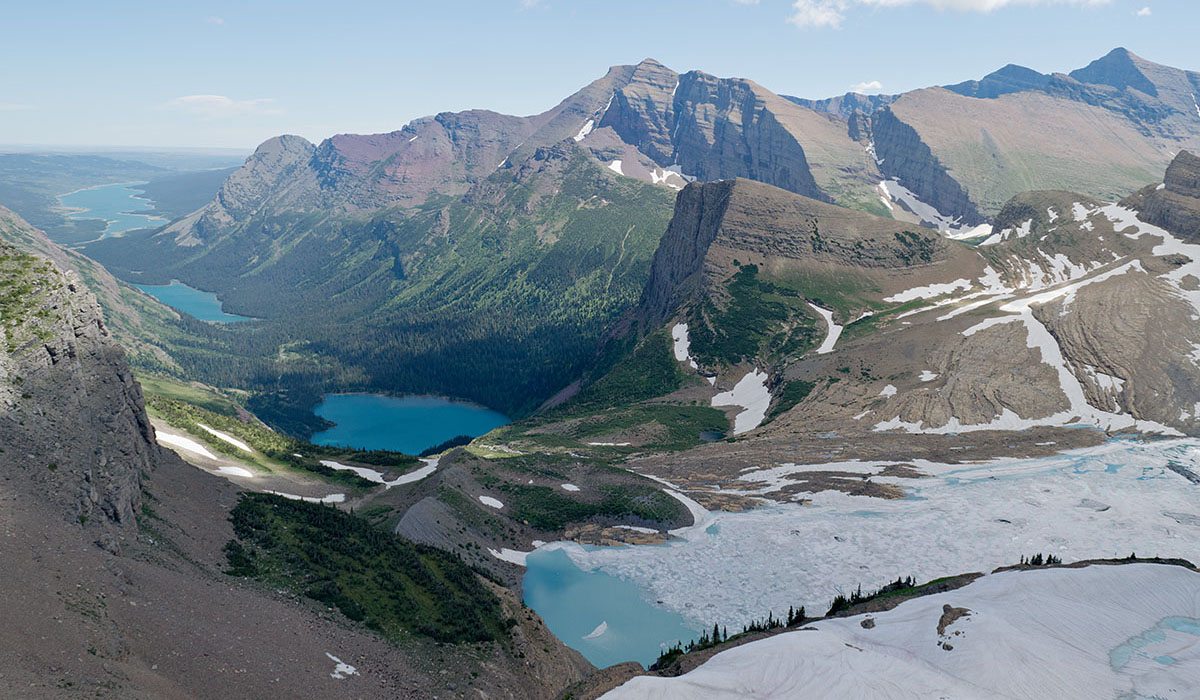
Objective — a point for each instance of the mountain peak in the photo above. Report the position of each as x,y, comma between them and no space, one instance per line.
1120,69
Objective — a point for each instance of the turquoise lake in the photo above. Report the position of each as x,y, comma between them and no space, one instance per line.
202,305
119,205
409,424
574,603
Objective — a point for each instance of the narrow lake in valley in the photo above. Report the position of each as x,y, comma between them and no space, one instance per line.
204,306
120,205
408,424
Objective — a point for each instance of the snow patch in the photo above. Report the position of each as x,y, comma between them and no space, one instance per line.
570,487
585,130
682,346
888,390
615,166
490,502
342,670
833,330
752,395
236,471
225,437
331,498
600,629
929,291
183,443
927,376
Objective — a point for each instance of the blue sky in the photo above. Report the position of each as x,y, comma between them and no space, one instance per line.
231,74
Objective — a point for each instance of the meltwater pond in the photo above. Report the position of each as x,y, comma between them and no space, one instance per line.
202,305
409,424
120,206
606,619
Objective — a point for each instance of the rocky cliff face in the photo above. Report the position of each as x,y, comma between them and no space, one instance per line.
726,131
741,221
72,422
1175,204
908,159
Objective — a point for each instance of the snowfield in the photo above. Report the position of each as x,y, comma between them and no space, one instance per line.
752,395
1128,631
1099,502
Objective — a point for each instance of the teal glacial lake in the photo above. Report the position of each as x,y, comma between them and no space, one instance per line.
202,305
121,206
408,424
605,618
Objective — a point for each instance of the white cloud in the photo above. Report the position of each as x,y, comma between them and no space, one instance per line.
1144,12
219,106
14,107
215,20
529,4
831,13
866,87
746,2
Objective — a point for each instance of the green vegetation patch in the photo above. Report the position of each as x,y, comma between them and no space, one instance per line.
761,319
546,509
26,283
394,586
650,371
789,395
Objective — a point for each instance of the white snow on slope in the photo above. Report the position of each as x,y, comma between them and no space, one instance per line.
964,517
236,471
615,166
927,376
682,346
1097,632
585,130
929,291
368,474
1079,411
183,443
888,390
928,214
752,395
512,556
569,487
225,437
1124,219
377,476
600,629
832,333
331,498
431,465
342,669
490,502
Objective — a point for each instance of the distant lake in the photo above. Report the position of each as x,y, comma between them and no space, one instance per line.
202,305
614,613
409,424
116,204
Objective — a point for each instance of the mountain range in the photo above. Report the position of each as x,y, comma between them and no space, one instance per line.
449,256
694,296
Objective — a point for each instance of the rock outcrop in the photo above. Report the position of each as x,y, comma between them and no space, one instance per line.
1175,204
72,421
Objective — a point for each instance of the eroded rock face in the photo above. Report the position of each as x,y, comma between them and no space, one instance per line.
72,420
725,131
904,156
1175,205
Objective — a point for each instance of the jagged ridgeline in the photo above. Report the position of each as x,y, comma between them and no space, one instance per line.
484,255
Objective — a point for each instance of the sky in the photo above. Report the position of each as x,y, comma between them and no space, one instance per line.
233,74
